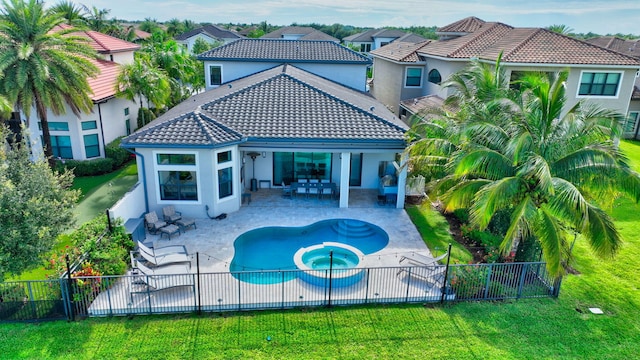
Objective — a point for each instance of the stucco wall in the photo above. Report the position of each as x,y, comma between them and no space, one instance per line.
351,75
388,80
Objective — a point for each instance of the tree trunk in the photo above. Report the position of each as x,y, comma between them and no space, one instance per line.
46,135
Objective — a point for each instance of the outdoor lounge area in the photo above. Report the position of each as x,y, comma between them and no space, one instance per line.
213,241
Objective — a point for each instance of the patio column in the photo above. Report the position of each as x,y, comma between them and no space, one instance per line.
402,181
344,179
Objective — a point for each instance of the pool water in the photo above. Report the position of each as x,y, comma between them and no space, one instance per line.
273,248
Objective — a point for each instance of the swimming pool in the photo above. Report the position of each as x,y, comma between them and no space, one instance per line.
273,248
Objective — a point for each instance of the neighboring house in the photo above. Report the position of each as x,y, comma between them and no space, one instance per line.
210,33
141,35
249,56
403,71
629,48
299,33
376,38
84,137
197,156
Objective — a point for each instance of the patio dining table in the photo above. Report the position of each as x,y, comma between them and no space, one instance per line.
303,188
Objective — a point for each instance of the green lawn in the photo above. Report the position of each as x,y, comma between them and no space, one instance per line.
559,328
98,194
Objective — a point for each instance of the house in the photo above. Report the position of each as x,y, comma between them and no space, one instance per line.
285,123
84,137
404,71
209,33
249,56
299,33
629,48
376,38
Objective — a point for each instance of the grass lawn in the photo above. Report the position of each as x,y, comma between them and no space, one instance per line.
98,194
560,328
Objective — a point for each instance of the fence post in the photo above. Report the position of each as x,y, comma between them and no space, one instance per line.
366,294
31,300
522,278
109,226
282,306
406,295
488,282
556,287
446,276
70,288
198,274
330,275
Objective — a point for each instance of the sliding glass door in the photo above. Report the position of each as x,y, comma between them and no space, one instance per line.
289,167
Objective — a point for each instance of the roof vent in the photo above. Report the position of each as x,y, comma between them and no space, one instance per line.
372,108
230,86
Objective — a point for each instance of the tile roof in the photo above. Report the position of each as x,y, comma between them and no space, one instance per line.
285,50
193,129
105,44
103,85
400,51
211,30
627,47
636,93
466,25
370,35
524,45
101,43
308,33
283,104
411,38
419,104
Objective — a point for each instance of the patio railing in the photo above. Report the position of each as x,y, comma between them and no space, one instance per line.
240,291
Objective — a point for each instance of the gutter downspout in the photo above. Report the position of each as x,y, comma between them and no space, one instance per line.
144,179
104,145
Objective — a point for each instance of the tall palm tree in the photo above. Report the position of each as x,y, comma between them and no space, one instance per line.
523,152
72,13
560,29
41,68
142,79
97,18
174,27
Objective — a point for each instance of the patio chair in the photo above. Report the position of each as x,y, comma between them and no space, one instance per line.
170,214
326,188
286,190
424,268
165,277
314,187
163,250
421,260
153,223
161,260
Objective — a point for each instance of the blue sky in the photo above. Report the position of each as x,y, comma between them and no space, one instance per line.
599,16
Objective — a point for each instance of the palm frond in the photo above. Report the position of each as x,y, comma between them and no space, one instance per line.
497,195
551,237
460,195
601,233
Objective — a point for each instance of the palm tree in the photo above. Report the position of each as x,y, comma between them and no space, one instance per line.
141,78
73,14
189,25
560,29
174,27
43,69
97,18
521,151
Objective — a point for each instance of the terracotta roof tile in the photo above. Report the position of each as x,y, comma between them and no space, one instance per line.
524,45
103,85
466,25
627,47
103,43
400,51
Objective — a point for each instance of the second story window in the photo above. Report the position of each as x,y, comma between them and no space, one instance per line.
215,75
414,77
434,76
599,84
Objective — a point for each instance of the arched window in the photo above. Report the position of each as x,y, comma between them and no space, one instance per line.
434,76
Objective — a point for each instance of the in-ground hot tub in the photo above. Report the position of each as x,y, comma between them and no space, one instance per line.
344,268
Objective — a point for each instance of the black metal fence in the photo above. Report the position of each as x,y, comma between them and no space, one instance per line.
68,298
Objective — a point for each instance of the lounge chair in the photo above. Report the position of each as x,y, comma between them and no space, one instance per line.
165,277
153,223
163,250
421,260
162,260
170,214
424,268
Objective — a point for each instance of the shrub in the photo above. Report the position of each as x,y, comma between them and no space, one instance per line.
116,153
467,281
89,167
12,299
462,215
